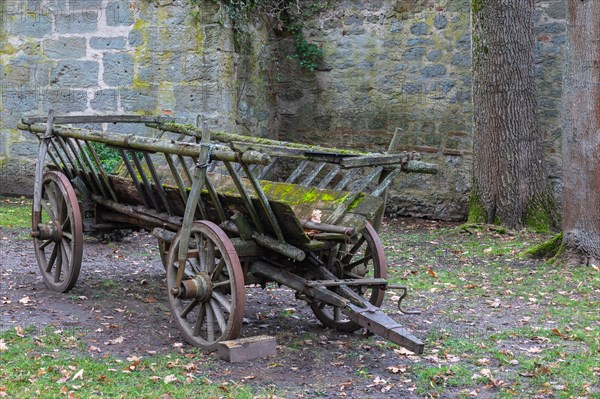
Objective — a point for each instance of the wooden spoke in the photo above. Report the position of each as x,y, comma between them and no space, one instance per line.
199,320
210,324
225,304
218,270
215,311
45,244
189,308
59,262
218,315
352,265
365,258
220,284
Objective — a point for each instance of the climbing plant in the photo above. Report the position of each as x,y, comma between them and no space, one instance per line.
283,15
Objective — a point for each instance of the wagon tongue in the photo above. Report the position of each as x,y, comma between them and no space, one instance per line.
376,321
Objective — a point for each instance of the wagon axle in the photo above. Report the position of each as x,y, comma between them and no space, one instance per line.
52,232
198,287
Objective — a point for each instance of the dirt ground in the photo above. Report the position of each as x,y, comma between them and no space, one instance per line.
120,296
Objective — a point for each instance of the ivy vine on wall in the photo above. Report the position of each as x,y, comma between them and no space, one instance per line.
283,15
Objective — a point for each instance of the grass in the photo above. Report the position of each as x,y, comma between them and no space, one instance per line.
495,323
15,212
50,364
477,277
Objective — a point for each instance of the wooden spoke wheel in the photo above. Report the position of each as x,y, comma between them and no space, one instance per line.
363,258
58,233
209,304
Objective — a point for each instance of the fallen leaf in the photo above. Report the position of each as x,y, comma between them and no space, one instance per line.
495,303
557,332
403,351
396,370
169,379
115,341
95,349
20,331
78,375
432,273
3,346
25,300
535,349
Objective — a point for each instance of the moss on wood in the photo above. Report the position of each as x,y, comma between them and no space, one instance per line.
477,212
551,249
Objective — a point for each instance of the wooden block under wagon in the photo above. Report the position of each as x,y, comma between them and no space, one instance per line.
243,349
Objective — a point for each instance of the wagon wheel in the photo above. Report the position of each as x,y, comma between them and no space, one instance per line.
364,258
209,304
58,233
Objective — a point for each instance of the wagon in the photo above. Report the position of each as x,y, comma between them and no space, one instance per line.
228,211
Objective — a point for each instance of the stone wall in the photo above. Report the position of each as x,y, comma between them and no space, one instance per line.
127,57
407,64
388,64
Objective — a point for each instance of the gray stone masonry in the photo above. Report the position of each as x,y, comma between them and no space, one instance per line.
388,64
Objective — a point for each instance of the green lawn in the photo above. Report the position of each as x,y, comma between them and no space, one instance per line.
15,212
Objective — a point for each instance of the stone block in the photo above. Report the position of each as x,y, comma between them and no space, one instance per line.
462,59
63,100
550,29
414,53
173,38
434,55
432,71
118,69
65,48
113,43
28,149
556,10
135,38
17,176
86,5
20,99
36,25
192,99
247,348
440,21
419,29
119,13
105,100
77,22
167,67
75,74
135,100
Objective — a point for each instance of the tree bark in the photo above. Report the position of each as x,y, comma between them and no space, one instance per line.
510,186
581,129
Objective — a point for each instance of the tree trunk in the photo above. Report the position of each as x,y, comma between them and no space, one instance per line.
510,186
581,130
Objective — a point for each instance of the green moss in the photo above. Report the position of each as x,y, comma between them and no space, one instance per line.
542,214
477,212
552,248
476,6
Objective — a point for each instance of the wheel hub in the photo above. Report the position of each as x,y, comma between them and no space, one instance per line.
198,287
51,231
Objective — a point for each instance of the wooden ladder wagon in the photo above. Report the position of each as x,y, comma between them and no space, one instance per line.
224,218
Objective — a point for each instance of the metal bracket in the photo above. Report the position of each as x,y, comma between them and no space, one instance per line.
404,293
